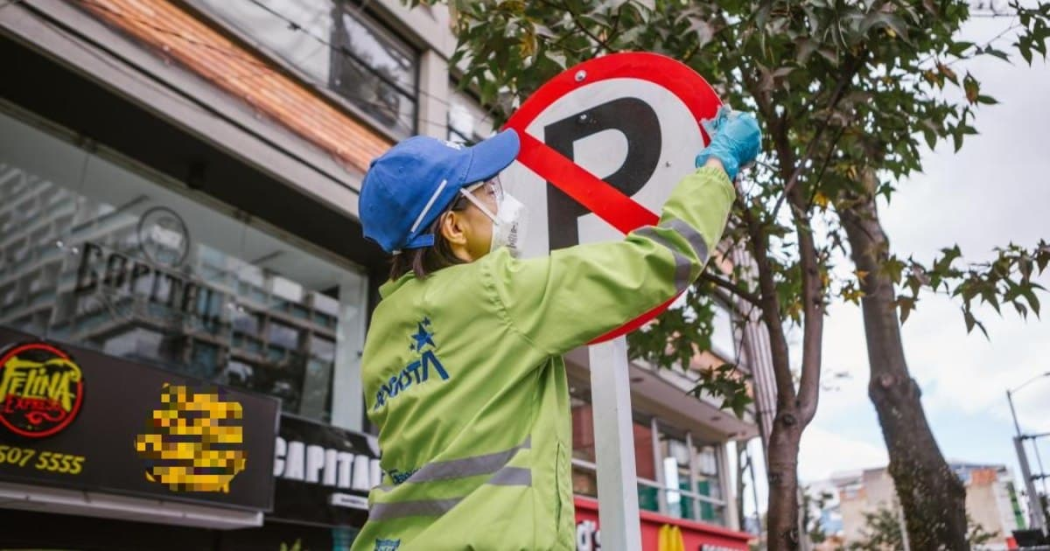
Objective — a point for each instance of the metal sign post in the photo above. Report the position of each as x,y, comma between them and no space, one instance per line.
602,146
614,446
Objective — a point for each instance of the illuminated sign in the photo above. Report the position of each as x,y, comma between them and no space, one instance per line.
141,431
323,473
41,389
195,441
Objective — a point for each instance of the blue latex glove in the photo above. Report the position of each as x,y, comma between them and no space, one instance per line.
735,140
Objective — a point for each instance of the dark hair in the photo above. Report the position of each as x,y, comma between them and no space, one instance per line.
427,260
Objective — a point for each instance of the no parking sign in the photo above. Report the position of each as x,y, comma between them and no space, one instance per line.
603,144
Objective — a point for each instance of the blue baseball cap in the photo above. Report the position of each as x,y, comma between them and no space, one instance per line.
410,185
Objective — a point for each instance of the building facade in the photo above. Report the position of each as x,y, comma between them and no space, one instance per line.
992,502
178,210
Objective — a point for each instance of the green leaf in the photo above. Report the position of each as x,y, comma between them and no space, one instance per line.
829,54
972,322
906,305
1029,295
996,53
885,20
804,48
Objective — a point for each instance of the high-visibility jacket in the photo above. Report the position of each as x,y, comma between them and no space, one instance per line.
464,378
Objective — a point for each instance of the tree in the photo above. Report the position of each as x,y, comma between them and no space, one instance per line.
845,91
882,532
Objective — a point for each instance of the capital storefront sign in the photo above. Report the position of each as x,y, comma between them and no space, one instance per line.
76,418
696,536
323,473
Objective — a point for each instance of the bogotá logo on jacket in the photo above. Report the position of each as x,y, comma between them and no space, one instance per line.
194,442
418,370
41,389
387,545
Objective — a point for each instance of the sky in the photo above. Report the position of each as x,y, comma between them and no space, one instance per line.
994,191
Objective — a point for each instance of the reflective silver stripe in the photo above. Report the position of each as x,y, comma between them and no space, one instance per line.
426,209
512,476
429,508
682,265
461,468
696,241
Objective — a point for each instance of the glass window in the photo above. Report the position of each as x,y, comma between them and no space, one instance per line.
584,477
133,269
709,485
674,454
339,46
467,121
723,336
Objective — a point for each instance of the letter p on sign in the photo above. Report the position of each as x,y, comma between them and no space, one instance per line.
603,145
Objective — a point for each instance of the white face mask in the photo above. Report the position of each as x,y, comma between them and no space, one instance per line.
508,224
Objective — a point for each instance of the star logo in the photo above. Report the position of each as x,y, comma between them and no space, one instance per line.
422,337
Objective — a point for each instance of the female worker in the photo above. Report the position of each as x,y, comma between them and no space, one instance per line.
462,367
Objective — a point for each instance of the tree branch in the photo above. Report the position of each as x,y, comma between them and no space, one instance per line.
854,65
575,19
730,286
813,311
770,306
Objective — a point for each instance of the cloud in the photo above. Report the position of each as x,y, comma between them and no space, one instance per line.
824,452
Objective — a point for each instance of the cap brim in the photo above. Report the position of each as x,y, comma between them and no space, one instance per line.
492,155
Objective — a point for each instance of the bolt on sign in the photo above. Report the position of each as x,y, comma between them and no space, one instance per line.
602,147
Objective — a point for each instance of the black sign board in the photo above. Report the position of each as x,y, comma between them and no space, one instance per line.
323,473
114,442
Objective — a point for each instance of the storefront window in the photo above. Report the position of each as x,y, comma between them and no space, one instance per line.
584,477
339,46
649,491
711,501
676,477
97,255
691,484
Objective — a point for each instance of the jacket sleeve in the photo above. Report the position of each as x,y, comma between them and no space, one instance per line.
580,293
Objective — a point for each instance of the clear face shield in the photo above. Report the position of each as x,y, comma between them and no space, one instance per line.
508,222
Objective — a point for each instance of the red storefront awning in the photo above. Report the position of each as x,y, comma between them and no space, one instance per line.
696,535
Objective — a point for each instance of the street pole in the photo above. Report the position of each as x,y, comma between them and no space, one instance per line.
904,527
1036,515
614,446
1035,508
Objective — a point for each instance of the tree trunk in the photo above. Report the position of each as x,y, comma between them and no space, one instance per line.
794,409
782,513
932,496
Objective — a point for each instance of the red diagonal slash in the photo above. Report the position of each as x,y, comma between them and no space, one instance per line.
595,194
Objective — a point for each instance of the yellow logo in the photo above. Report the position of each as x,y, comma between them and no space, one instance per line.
194,442
41,389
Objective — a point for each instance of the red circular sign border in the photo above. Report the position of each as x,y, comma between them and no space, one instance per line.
687,85
76,406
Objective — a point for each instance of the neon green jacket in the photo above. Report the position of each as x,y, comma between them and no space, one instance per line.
464,378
